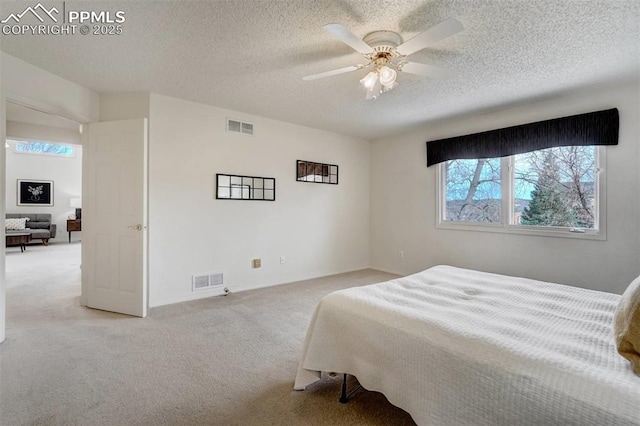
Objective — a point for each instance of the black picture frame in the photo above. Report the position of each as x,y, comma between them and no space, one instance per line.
310,171
35,193
246,188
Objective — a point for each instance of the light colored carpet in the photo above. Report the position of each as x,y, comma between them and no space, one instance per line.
216,361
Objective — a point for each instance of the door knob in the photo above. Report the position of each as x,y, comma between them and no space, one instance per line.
137,227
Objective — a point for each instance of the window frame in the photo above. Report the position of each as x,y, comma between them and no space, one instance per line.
506,224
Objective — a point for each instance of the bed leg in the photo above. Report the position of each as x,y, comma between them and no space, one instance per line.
344,398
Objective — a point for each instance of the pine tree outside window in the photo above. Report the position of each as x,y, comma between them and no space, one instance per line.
557,187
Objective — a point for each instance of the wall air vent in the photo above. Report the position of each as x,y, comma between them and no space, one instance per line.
203,282
235,126
247,128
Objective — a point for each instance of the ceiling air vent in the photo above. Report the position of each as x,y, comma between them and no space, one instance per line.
203,282
236,126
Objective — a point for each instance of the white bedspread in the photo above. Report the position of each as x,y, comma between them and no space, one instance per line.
458,347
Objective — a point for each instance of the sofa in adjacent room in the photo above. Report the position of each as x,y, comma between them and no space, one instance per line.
39,225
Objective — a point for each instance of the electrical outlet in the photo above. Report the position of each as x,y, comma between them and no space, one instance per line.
401,254
256,263
282,260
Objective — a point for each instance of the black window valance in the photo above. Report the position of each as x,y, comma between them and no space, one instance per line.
594,128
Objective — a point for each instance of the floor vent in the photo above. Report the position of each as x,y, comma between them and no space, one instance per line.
203,282
235,126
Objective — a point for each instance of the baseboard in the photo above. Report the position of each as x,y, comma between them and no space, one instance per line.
203,294
388,271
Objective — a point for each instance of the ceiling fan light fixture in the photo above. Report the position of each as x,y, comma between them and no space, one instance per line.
374,91
387,76
369,80
387,87
371,94
382,47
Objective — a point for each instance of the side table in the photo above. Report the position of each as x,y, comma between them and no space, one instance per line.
73,225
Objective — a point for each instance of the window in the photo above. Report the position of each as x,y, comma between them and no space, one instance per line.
556,187
44,148
543,178
473,192
554,191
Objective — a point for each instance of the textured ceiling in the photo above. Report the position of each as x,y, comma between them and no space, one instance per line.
250,56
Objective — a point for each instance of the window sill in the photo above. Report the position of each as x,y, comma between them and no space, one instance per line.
522,230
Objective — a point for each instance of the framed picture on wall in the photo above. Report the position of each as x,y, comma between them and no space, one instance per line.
309,171
35,192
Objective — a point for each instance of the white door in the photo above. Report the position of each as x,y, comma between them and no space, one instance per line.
114,217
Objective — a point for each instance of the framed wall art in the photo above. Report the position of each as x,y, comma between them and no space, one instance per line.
309,171
35,192
238,187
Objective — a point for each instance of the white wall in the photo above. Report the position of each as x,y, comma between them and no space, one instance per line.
43,133
321,229
403,203
124,106
27,84
66,174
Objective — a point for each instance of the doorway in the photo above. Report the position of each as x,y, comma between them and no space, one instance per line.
114,255
42,152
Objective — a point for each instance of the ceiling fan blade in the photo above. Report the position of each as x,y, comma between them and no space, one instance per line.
426,70
436,33
343,34
333,72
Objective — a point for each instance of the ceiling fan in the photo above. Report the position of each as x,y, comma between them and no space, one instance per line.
386,52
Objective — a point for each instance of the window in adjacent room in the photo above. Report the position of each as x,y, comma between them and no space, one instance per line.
44,148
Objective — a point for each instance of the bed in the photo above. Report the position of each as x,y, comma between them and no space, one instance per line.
458,347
